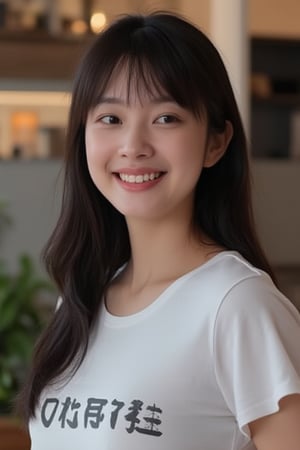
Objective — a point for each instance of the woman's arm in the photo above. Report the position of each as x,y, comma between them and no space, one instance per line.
281,430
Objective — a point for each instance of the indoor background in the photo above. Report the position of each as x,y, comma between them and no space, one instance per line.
40,44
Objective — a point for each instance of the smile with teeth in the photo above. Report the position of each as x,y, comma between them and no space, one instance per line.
139,178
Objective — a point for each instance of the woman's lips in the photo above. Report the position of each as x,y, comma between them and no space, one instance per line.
139,180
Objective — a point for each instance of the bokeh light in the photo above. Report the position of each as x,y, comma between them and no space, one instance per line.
98,22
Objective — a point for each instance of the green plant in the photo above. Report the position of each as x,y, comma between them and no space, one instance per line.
5,219
21,321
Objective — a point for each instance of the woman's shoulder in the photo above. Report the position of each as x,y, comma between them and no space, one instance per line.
229,286
251,292
226,270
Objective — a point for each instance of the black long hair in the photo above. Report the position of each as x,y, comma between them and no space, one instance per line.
90,241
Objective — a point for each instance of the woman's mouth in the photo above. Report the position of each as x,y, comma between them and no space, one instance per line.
140,178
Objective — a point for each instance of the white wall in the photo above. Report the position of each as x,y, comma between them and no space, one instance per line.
277,18
32,190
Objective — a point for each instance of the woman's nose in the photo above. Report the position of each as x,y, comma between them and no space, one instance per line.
136,144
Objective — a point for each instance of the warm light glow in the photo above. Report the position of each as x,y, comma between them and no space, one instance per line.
24,120
38,98
98,22
24,126
25,117
79,27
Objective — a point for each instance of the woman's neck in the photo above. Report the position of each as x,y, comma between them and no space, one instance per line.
160,255
165,252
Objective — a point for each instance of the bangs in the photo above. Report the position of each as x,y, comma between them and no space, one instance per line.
152,64
140,79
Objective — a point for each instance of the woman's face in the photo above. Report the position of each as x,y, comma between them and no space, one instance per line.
145,153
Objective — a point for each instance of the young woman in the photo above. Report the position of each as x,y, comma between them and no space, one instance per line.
170,333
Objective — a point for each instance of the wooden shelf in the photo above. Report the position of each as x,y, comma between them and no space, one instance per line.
12,436
289,100
40,56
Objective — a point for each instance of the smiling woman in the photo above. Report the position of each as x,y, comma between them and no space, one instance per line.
170,332
148,141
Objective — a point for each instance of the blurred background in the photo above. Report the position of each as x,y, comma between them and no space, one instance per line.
41,42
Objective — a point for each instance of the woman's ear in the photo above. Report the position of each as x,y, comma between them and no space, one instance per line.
217,145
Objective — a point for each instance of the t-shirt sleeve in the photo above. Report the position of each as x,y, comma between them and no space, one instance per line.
256,349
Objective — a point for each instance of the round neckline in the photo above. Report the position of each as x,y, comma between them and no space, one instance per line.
114,321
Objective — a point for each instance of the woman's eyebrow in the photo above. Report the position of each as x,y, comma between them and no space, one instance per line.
119,101
163,99
110,100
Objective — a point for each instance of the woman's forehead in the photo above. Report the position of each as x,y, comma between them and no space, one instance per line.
133,86
137,81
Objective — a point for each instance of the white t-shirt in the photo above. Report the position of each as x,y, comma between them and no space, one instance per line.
216,350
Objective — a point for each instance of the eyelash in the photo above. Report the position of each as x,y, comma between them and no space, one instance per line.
110,119
115,121
168,116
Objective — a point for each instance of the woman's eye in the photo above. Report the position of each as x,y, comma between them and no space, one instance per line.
166,119
110,120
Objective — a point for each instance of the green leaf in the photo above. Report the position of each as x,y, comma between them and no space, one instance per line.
21,344
20,324
8,315
6,379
